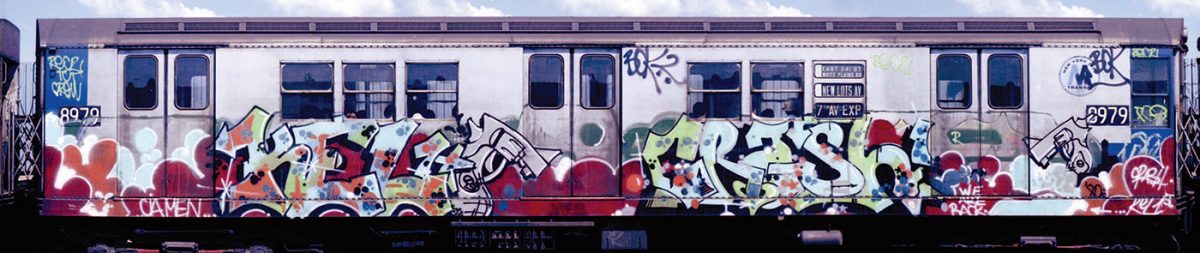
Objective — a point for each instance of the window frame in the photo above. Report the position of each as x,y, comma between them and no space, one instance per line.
1167,96
346,91
970,101
562,83
208,69
1024,81
612,86
125,81
332,87
407,91
800,91
738,91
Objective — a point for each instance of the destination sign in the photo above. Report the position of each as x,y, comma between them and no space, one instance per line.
840,90
841,70
838,110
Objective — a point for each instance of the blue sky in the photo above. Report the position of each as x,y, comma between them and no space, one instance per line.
24,13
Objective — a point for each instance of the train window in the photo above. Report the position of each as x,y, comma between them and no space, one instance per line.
307,90
141,82
596,73
1151,79
954,81
714,90
545,81
191,82
432,90
370,90
777,89
1006,81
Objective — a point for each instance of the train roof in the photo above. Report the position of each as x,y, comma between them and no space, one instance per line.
582,31
10,41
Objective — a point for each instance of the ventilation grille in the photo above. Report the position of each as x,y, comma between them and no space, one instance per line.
613,26
864,26
212,26
1063,26
344,26
409,26
539,26
150,27
930,26
474,26
996,26
277,26
798,26
737,26
672,26
606,26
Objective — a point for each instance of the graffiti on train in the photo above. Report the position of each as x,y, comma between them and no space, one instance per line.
783,167
1082,74
639,63
91,173
1065,142
374,168
1151,114
318,169
896,63
66,79
483,166
880,166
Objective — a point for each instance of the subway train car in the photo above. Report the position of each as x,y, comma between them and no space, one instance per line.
537,133
10,59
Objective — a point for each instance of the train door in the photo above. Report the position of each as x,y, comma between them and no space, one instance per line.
141,123
981,117
189,108
572,106
595,141
166,121
546,120
956,134
1004,115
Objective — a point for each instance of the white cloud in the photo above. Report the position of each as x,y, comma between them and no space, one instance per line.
144,8
1028,8
355,8
1177,8
621,7
345,8
677,8
448,8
